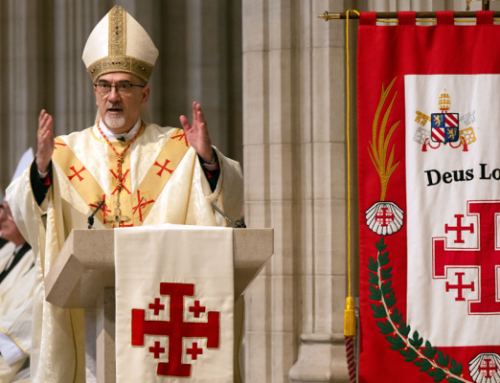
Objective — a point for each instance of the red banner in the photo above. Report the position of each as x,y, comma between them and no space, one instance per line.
429,200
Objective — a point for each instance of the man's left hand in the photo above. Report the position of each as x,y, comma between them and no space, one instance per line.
197,134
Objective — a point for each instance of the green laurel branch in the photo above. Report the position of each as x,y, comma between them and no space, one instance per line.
427,358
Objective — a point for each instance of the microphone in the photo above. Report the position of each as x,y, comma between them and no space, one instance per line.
239,224
90,220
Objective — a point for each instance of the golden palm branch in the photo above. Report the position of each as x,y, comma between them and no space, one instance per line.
379,145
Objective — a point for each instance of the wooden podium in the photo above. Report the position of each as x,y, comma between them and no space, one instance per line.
83,276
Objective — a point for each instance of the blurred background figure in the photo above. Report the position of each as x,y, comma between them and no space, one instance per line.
16,257
17,284
3,242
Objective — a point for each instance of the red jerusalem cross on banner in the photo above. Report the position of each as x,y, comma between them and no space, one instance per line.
486,258
488,368
176,329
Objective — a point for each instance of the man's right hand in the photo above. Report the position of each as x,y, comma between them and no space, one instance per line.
45,141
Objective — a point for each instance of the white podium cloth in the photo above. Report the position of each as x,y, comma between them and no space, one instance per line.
174,304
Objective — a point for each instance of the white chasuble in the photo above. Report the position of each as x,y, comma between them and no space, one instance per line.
16,310
6,254
174,304
58,353
16,273
16,319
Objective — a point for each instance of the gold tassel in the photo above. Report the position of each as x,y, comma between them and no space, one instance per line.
349,314
349,318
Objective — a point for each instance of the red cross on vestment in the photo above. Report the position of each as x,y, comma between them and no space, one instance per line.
383,217
182,136
459,228
486,258
163,167
104,208
122,224
77,173
120,183
57,144
176,329
141,204
485,368
194,351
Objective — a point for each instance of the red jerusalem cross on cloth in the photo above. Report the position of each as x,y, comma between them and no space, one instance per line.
176,329
487,368
459,228
384,217
486,259
429,275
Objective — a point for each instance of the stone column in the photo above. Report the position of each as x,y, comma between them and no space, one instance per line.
293,65
72,93
20,81
321,352
259,347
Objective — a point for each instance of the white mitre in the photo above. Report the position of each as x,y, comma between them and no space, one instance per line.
119,44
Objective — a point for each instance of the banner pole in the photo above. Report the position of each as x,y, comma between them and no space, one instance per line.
394,15
349,313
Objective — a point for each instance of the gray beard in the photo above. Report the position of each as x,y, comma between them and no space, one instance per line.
114,122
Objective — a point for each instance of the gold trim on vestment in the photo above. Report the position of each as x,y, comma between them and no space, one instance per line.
138,203
125,192
189,191
221,191
16,342
157,176
80,178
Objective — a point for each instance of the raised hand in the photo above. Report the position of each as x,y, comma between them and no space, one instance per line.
45,141
197,134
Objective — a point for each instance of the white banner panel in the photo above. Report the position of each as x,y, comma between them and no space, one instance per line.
453,204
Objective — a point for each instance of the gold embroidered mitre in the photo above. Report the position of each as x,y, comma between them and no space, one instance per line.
119,43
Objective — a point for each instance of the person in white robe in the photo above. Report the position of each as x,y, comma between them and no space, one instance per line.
137,173
16,258
16,300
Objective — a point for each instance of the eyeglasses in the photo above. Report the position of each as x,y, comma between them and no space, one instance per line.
123,89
